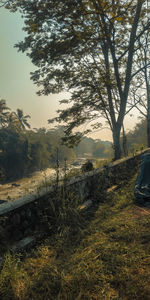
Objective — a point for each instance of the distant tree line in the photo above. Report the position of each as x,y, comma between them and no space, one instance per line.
24,150
94,148
137,138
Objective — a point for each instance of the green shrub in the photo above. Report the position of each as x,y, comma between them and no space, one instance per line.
88,166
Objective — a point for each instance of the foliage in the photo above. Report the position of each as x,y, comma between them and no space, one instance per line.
13,156
4,2
4,112
73,173
86,48
87,166
102,162
23,151
94,148
136,138
103,149
23,120
141,86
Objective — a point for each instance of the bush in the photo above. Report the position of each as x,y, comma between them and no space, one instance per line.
88,166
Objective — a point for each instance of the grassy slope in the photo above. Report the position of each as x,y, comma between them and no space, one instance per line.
108,257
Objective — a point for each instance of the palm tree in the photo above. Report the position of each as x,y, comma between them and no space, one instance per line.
4,113
23,120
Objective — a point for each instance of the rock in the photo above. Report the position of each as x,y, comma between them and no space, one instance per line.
85,205
2,201
15,184
17,235
28,231
23,244
16,219
23,213
28,213
25,224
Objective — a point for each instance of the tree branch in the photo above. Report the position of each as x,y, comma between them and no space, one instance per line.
3,3
139,70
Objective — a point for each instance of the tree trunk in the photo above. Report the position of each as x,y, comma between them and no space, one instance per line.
148,132
124,142
117,143
148,111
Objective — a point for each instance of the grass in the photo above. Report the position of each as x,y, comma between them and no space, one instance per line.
51,181
73,173
106,257
102,162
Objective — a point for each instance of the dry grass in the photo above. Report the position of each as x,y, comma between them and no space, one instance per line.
106,257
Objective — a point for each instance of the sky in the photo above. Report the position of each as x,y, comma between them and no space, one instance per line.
17,88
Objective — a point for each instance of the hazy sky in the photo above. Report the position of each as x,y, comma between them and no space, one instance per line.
15,84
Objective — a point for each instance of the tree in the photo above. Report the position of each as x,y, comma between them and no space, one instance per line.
102,149
137,137
14,153
4,113
4,3
18,121
87,48
141,90
54,141
23,120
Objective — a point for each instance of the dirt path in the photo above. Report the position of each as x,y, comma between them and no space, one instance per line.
28,185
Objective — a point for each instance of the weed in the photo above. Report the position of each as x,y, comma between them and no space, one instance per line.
100,256
102,162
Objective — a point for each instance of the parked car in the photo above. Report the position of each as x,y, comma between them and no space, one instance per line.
142,186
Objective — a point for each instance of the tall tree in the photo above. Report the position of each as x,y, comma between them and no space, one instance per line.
87,48
4,113
23,120
4,2
140,93
18,121
145,67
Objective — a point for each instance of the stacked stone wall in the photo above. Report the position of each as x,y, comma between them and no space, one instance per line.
22,217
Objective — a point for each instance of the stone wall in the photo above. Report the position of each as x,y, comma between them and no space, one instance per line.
24,216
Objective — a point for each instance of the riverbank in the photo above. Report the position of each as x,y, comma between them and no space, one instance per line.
27,185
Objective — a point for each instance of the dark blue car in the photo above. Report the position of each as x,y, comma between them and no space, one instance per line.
142,186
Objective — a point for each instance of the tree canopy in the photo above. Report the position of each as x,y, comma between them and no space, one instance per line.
87,48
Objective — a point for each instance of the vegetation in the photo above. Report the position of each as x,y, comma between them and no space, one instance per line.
23,151
137,138
90,49
87,166
94,148
104,254
141,88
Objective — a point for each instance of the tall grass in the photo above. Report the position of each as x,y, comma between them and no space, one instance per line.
104,254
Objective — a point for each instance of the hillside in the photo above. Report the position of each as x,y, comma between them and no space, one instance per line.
101,254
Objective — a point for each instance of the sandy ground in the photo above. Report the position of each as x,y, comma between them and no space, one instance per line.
28,185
